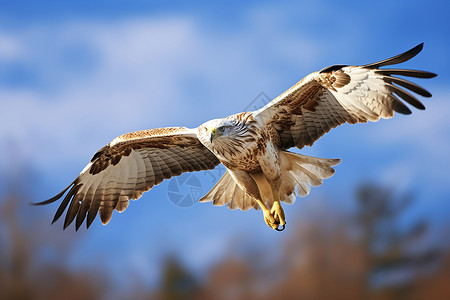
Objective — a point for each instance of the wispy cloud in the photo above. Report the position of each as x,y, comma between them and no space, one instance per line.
422,138
90,81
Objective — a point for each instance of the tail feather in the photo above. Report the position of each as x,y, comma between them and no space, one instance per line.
219,191
302,172
299,173
227,191
290,183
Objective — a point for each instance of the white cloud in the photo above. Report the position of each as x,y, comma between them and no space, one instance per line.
98,79
10,47
94,80
426,131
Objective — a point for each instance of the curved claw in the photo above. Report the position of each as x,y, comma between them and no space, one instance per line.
281,229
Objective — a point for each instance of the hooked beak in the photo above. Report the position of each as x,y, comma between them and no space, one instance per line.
213,134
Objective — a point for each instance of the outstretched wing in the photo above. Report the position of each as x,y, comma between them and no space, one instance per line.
127,167
338,94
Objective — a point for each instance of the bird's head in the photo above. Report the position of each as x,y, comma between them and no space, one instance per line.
231,132
220,128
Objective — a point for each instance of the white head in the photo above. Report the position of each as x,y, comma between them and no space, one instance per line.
218,129
231,132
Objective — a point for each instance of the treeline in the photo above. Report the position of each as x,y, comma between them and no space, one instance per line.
373,251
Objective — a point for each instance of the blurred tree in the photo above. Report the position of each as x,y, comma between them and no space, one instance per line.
32,256
378,251
177,281
367,254
395,255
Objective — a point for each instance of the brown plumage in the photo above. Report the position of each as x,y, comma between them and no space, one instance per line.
151,156
251,145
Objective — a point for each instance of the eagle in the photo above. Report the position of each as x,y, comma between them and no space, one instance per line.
253,146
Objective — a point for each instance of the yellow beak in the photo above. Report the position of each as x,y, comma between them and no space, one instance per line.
213,134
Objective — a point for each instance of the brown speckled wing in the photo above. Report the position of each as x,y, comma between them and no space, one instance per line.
338,94
127,167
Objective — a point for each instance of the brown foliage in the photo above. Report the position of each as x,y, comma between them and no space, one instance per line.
329,255
336,256
24,274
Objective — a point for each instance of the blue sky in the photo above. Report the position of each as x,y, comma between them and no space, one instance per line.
74,75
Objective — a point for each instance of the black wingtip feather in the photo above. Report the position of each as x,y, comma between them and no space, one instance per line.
92,213
405,72
399,107
81,216
63,205
332,68
408,85
73,207
405,56
406,96
53,199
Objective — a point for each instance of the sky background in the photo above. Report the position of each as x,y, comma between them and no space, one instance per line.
74,75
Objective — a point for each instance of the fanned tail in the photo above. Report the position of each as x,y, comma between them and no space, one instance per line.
300,172
226,191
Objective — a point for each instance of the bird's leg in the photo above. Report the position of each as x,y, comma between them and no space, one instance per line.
268,217
262,188
277,212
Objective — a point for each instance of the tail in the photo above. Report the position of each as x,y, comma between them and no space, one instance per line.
299,173
226,191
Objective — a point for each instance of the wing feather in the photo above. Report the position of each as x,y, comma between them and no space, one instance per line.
124,196
165,170
65,202
404,72
159,176
97,198
90,196
88,191
149,175
398,59
127,167
139,188
73,207
342,94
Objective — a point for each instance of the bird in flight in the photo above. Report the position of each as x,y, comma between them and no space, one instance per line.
253,146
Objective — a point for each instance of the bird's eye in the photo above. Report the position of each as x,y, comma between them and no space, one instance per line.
221,128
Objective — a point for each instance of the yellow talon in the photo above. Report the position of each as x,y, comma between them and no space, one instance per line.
269,219
275,218
278,214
